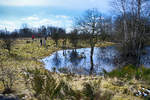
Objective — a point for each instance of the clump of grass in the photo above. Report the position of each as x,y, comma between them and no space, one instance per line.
130,72
145,74
88,91
90,88
147,98
46,87
64,70
92,91
125,72
8,78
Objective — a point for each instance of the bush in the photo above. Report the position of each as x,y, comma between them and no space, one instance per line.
64,70
8,78
125,72
130,72
7,44
91,90
46,87
145,74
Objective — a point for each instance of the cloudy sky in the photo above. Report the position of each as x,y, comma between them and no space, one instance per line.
35,13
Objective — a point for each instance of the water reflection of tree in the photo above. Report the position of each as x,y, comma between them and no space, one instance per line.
57,60
85,66
106,55
64,52
75,58
91,61
102,55
145,57
66,58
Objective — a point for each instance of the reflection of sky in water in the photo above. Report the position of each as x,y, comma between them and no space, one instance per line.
102,58
145,58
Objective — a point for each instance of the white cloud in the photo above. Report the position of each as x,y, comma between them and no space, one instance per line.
62,16
10,25
23,2
70,4
49,22
67,24
31,18
34,21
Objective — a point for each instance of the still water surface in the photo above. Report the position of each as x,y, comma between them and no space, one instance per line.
79,61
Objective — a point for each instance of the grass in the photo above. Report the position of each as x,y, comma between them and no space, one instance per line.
26,54
129,72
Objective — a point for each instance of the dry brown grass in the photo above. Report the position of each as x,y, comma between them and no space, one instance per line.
27,55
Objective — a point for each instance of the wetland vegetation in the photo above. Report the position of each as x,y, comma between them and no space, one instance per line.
101,58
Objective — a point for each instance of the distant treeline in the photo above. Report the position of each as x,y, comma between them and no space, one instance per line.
50,31
109,29
28,32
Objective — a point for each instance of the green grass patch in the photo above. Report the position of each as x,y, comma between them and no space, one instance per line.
130,72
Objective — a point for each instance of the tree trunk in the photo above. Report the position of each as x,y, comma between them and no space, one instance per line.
124,20
138,33
91,58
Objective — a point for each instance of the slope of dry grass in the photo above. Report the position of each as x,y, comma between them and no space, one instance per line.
26,54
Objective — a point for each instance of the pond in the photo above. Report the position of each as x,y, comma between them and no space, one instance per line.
79,61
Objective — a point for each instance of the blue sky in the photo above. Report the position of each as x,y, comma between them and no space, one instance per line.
35,13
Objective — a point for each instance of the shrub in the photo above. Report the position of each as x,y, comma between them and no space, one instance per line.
94,93
91,90
125,72
8,78
64,70
145,74
106,96
46,87
8,43
131,71
88,91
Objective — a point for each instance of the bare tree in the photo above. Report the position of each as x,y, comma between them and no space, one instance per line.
8,42
132,12
121,6
57,33
106,28
90,23
74,38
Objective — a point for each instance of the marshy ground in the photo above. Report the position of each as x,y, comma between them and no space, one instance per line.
25,55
